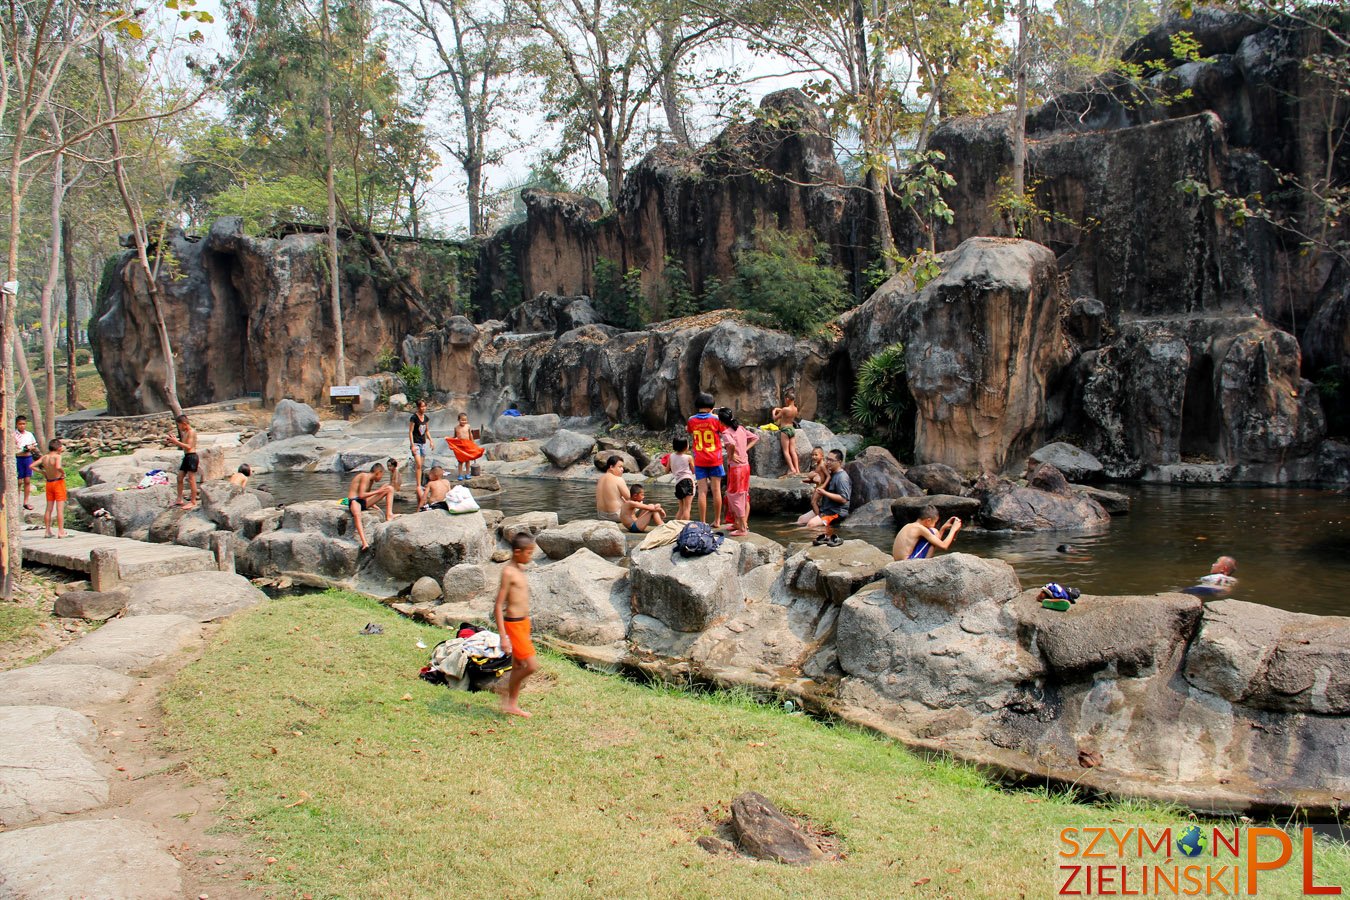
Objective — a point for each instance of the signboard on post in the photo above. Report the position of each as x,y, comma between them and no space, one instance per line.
345,396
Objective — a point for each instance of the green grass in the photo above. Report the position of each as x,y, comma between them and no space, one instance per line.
92,393
367,782
16,621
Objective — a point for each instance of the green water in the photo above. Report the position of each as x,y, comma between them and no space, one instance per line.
1292,544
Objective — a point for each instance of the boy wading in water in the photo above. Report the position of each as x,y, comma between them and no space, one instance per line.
50,464
187,442
512,612
363,495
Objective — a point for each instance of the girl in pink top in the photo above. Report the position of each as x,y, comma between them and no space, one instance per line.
738,440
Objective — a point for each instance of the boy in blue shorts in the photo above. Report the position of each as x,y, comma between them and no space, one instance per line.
705,433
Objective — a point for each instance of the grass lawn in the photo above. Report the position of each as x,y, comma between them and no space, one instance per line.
16,620
92,393
367,782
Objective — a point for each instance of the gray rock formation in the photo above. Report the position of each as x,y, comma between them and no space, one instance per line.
601,538
581,598
566,448
291,419
687,593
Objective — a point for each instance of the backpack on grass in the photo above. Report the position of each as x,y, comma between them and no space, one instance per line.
698,539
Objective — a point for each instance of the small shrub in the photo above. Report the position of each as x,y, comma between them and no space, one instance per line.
387,361
883,409
788,282
83,357
413,387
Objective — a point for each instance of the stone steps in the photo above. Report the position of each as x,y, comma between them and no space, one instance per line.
136,560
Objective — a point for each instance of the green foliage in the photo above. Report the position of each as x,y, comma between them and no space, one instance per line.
83,357
1022,212
788,282
267,202
387,360
512,292
618,294
883,409
923,267
411,377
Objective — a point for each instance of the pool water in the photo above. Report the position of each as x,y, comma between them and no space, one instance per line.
1292,544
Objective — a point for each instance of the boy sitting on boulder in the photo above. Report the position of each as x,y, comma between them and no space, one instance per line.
363,495
433,493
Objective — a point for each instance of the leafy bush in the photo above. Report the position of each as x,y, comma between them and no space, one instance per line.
412,382
83,357
883,409
387,361
788,282
618,294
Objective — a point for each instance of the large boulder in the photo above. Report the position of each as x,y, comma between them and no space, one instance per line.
289,552
1126,636
600,537
291,419
513,451
835,573
98,606
567,448
779,495
133,511
529,428
766,457
876,514
1005,506
1270,659
876,475
581,598
936,478
687,593
1076,464
204,596
428,543
939,633
226,505
530,523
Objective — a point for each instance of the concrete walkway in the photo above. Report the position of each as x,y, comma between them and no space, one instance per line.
136,560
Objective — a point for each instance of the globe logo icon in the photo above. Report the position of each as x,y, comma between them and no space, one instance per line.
1192,842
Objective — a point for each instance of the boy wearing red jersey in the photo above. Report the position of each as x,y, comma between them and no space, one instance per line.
705,436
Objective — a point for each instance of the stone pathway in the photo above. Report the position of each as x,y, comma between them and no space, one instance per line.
137,560
75,741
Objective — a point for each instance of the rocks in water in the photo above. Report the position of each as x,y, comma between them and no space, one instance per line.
428,543
687,593
134,511
876,475
425,590
464,582
1076,464
874,514
566,448
581,598
835,573
770,496
600,537
1003,505
483,484
515,428
226,506
45,766
765,833
291,419
1270,659
1045,477
758,550
113,859
96,606
766,457
1114,502
907,509
530,523
936,478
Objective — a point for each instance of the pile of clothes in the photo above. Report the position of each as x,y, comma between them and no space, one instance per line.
470,661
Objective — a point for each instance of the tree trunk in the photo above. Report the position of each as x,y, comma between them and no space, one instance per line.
670,87
47,308
11,551
72,324
1019,148
335,285
473,173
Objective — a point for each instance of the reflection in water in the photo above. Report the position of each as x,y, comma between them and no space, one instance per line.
1292,544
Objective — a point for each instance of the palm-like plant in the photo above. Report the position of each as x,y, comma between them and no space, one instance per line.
882,406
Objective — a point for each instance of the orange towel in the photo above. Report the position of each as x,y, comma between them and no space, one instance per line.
519,633
465,450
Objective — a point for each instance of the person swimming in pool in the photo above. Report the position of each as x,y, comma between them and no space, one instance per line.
1219,582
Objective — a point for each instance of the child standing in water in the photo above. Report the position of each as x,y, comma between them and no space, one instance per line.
512,611
739,440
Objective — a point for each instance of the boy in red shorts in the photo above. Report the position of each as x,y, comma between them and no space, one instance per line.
705,433
513,622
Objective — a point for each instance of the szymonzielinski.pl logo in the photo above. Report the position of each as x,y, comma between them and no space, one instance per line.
1188,860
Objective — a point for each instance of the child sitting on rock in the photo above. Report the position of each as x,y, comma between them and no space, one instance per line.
432,494
638,515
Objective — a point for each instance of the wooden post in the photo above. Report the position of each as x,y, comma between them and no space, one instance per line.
222,545
104,574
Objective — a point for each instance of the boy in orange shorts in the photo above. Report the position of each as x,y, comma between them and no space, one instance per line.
50,464
513,622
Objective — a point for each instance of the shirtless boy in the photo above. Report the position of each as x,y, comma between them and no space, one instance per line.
512,611
240,479
50,466
186,440
436,489
638,515
363,495
917,539
785,417
1219,582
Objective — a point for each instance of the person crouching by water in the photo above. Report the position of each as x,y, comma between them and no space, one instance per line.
833,498
1219,582
918,539
363,495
